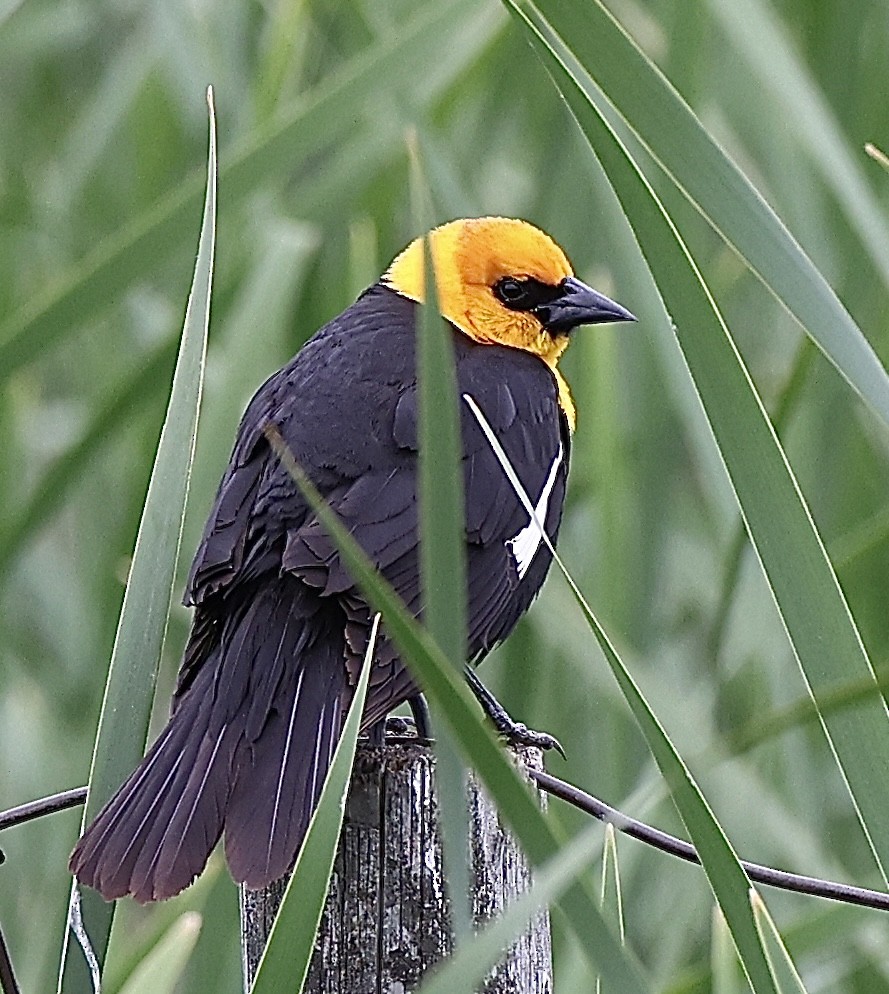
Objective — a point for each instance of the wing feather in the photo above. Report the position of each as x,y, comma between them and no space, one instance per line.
520,399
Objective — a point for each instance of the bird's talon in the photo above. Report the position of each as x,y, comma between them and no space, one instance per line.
520,734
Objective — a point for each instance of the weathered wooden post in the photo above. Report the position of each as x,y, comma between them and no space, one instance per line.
386,920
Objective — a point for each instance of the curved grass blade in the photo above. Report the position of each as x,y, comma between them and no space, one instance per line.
288,953
464,972
447,690
787,980
802,712
619,79
126,708
808,597
315,121
720,863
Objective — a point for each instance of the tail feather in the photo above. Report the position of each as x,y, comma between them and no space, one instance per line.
187,826
119,851
245,752
280,772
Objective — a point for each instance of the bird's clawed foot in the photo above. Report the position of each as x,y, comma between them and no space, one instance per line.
418,726
514,732
517,733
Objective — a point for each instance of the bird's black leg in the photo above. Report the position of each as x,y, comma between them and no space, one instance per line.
512,731
420,711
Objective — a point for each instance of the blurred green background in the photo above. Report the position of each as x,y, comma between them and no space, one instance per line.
101,155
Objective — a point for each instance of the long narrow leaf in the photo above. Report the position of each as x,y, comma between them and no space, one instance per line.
442,543
723,869
622,80
442,521
787,980
126,708
810,602
723,959
611,898
448,692
288,952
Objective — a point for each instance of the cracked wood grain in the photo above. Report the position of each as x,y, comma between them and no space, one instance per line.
386,919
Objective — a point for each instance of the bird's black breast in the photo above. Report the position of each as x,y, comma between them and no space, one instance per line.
346,405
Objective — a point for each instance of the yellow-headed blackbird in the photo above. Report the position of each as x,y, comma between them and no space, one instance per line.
279,628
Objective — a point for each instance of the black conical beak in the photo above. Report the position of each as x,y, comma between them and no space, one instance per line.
578,304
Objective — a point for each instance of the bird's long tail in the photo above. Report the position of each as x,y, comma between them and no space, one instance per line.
245,752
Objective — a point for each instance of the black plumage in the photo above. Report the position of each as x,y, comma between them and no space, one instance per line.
279,628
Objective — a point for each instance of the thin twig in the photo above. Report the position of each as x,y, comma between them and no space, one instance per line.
677,847
567,792
44,806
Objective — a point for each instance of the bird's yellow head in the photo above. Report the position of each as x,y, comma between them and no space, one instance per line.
504,282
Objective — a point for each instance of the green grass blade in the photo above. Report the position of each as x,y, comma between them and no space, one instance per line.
811,604
621,79
123,723
610,896
288,953
440,471
315,121
442,538
464,972
723,959
448,692
727,878
787,980
160,970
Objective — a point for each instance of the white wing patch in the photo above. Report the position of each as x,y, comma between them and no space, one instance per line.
525,544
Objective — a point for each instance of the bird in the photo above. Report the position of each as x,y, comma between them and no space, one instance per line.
279,628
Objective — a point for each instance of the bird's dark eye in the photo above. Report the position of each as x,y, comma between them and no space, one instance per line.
524,294
513,293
